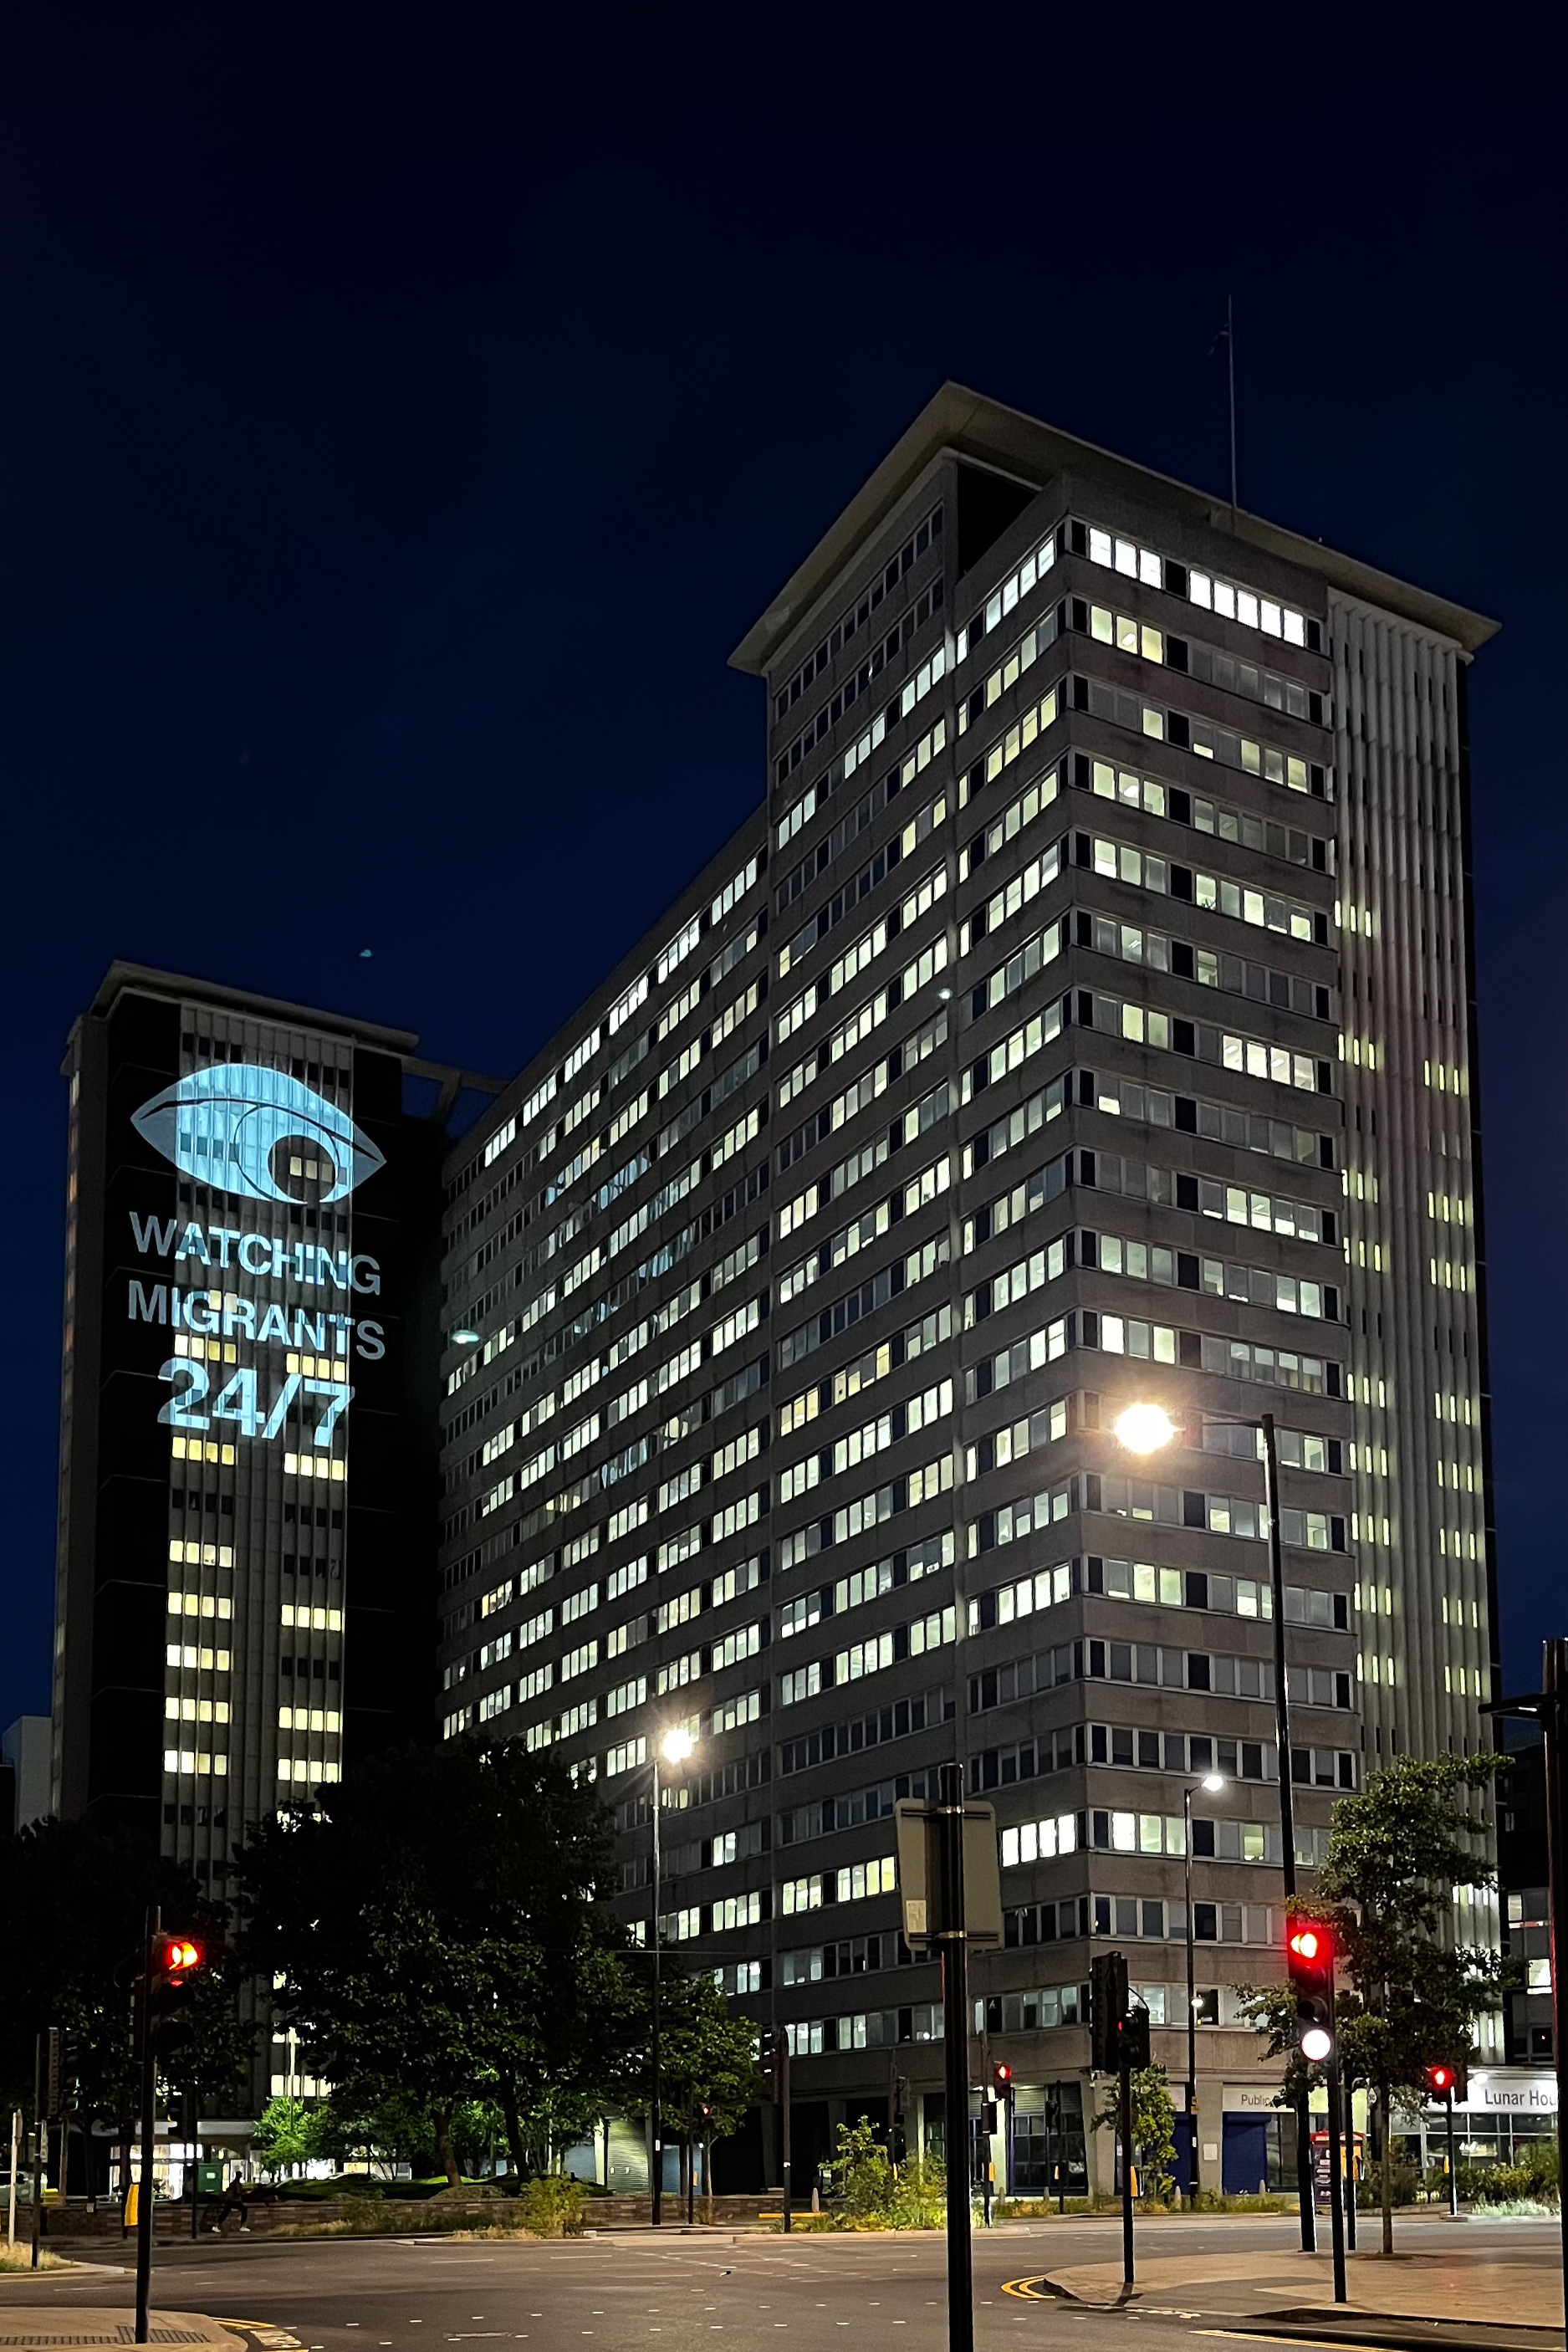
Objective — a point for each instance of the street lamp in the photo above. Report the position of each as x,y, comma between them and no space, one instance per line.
1145,1428
1212,1782
675,1746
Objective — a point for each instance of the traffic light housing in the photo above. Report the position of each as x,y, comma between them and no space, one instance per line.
1133,2041
1309,1958
1445,2081
1107,2010
177,1965
1002,2078
773,2057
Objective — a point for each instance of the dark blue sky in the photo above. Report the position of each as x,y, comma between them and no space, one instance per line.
403,412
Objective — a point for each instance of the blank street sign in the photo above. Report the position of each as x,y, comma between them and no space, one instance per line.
917,1829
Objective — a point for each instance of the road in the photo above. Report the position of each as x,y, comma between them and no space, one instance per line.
633,2293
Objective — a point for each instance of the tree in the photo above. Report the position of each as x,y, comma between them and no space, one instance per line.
433,1927
1397,1851
1154,2127
707,2060
283,2135
75,1897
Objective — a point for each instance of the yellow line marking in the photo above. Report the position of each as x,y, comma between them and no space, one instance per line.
1248,2335
1024,2288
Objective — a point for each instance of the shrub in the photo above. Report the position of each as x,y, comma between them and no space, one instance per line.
871,2193
918,2198
1532,2179
366,2214
1403,2183
552,2207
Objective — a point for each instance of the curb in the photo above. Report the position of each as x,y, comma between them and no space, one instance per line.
1399,2332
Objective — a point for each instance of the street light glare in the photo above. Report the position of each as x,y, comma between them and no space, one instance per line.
1214,1782
1145,1428
676,1746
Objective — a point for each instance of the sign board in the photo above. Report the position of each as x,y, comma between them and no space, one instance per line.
1513,2091
918,1832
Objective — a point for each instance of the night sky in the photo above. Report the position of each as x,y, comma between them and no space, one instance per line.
405,412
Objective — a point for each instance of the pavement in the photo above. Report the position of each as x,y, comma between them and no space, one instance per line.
48,2327
1471,2287
1451,2285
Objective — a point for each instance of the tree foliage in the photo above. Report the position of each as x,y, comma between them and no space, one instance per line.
75,1896
1398,1852
1153,2128
434,1929
707,2059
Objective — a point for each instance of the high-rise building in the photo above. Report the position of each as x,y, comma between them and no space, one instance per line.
1085,1019
249,1485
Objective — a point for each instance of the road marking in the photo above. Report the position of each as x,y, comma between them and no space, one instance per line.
1247,2335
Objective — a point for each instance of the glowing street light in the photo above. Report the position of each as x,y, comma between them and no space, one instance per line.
1145,1428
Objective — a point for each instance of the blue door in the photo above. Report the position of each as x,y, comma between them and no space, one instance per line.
1244,2154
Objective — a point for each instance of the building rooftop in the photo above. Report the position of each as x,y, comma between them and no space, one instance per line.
146,980
987,434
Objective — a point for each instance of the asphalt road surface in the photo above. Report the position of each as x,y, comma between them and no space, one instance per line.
634,2292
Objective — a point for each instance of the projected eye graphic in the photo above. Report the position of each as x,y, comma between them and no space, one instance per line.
259,1133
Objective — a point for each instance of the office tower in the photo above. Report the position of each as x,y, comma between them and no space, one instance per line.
1083,1020
249,1481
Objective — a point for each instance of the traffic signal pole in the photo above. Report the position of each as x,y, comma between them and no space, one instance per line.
955,2058
784,2152
1287,1794
1124,2105
1453,2176
1336,2182
149,2100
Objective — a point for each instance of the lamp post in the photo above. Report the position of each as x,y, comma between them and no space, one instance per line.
675,1747
1211,1782
1145,1429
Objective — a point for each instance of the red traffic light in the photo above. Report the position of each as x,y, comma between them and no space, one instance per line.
1004,2073
1310,1955
177,1957
1441,2079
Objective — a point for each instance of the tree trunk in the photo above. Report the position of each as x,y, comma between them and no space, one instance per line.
708,2175
447,2154
507,2086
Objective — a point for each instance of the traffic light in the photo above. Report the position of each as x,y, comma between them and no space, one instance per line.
1132,2039
1310,1956
1002,2075
1107,2010
1446,2082
773,2057
177,1963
